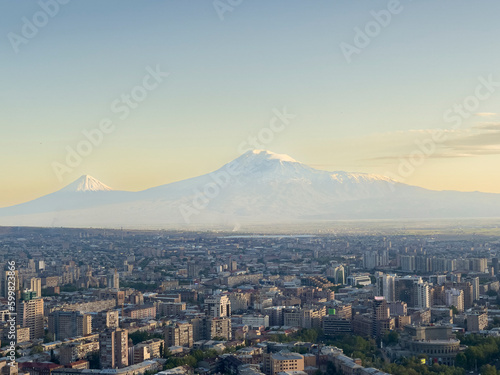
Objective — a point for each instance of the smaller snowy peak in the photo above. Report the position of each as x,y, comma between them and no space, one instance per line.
86,183
268,155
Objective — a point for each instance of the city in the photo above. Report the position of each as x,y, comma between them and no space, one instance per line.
145,302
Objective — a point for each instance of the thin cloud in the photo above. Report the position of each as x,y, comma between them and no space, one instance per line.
486,114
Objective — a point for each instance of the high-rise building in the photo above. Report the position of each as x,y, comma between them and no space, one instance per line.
386,286
423,299
219,328
65,324
494,263
105,320
408,263
113,345
382,321
218,306
455,297
36,286
179,334
30,314
4,280
113,280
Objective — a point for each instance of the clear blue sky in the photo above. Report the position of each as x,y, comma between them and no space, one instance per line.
226,78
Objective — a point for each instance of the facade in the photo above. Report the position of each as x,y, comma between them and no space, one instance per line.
30,314
477,322
76,351
281,362
218,306
114,348
64,324
141,312
179,334
219,327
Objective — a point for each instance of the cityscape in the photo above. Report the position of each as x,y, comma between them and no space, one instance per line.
91,301
249,187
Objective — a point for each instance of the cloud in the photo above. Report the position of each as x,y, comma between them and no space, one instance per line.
486,114
478,140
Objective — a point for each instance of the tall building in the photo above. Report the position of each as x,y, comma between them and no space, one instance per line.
218,306
105,320
455,297
408,263
194,269
113,280
494,263
4,280
30,314
386,287
381,317
113,344
219,328
423,299
36,286
66,324
179,334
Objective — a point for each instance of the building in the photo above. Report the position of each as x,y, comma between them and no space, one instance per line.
30,314
281,362
219,328
477,322
76,351
218,306
36,286
333,325
255,321
113,280
455,297
141,312
408,263
172,308
113,345
386,286
179,334
275,314
38,368
64,324
106,319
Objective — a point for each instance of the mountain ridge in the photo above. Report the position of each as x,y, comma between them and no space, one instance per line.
258,186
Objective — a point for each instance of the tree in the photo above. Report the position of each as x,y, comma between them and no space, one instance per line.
488,370
37,349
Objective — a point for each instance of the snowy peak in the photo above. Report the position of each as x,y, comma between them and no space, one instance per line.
86,183
258,155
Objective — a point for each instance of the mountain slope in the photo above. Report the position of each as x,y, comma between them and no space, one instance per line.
83,193
258,187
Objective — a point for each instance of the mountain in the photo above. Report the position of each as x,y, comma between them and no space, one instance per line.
84,184
83,193
258,187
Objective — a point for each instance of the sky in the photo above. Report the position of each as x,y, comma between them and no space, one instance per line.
143,93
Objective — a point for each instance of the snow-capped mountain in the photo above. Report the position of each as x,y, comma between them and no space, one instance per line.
86,183
258,187
85,192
